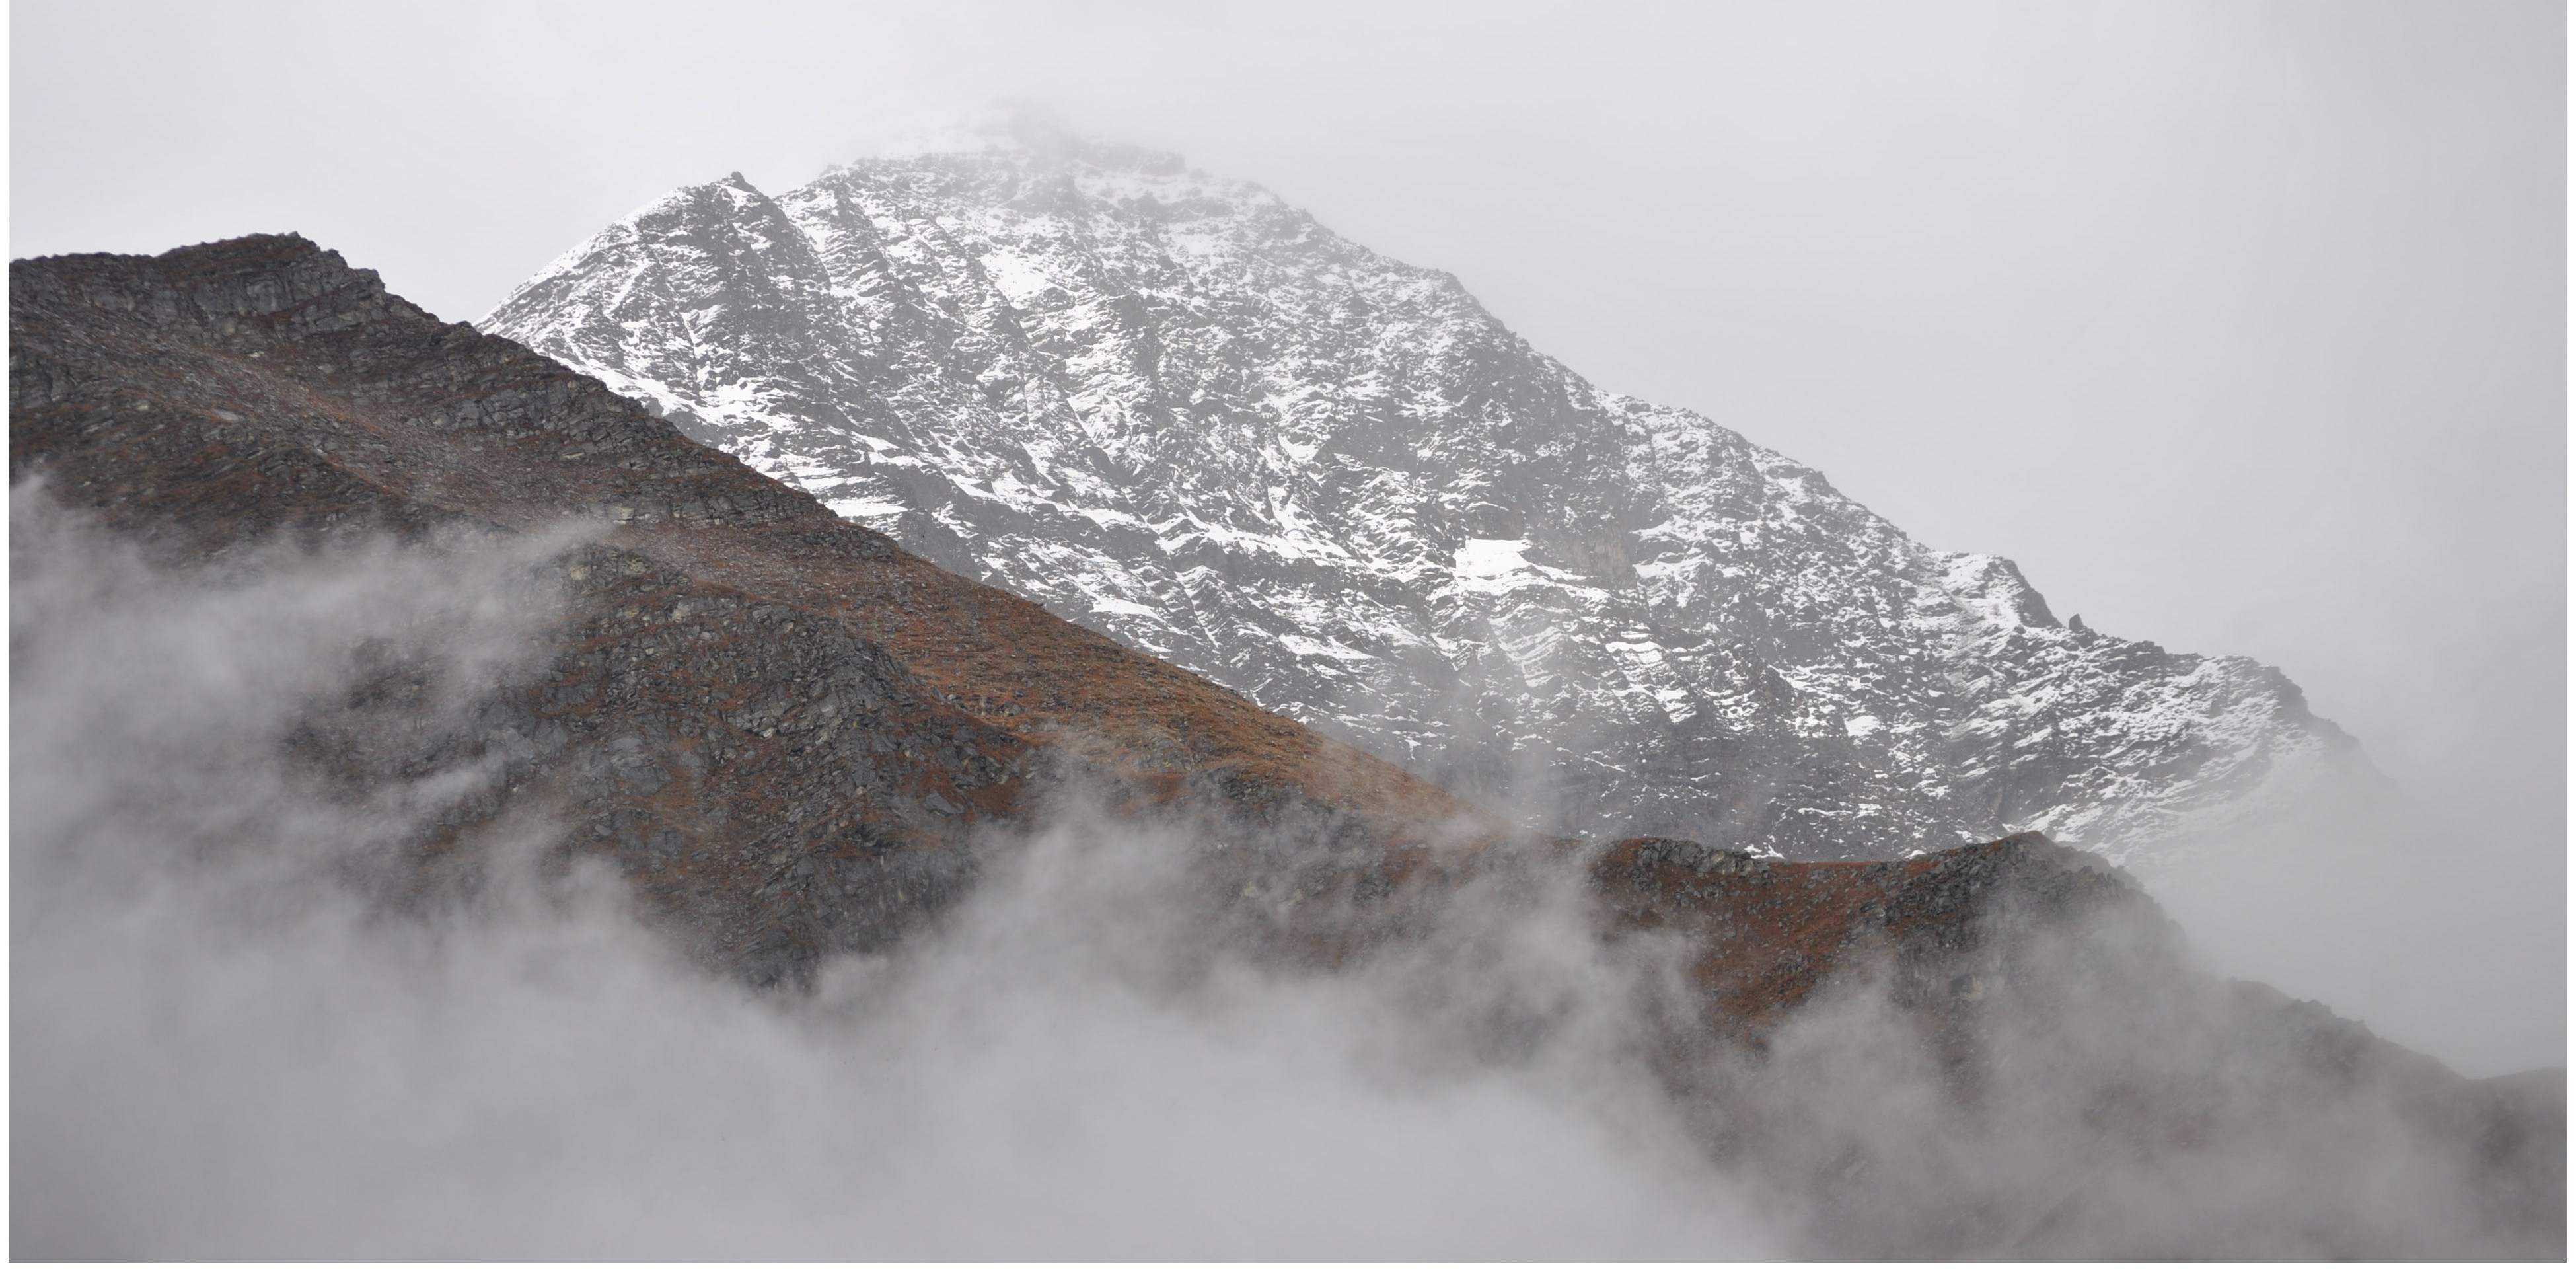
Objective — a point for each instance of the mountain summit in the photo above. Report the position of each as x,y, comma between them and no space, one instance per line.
1173,408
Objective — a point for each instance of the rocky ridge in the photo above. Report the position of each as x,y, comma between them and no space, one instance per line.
785,729
1177,410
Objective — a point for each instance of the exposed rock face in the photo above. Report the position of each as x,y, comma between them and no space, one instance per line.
1174,409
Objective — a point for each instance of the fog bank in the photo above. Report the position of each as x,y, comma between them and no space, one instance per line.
234,1035
227,1046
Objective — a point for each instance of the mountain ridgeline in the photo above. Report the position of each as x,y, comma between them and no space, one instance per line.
792,741
1176,410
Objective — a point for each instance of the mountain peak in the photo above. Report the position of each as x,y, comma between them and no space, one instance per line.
1175,409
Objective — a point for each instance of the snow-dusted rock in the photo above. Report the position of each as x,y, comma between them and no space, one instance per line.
1174,408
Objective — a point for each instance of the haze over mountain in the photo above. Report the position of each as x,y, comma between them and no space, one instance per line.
2239,327
1175,409
409,727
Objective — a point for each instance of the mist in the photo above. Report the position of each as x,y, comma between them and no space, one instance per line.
2239,326
2418,924
231,1041
241,1030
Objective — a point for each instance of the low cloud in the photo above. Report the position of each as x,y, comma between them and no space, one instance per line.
232,1039
227,1045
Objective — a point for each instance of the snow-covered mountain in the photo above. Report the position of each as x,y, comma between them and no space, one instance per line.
1175,409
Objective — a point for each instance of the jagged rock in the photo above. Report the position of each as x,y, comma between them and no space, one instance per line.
1177,410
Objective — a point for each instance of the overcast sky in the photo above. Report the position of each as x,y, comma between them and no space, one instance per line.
2240,326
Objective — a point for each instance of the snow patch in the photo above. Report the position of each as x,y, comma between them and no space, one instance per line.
1491,558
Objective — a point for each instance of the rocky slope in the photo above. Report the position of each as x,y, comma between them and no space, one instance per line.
786,729
794,740
1174,409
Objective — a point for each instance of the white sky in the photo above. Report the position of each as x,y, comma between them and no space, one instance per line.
2240,326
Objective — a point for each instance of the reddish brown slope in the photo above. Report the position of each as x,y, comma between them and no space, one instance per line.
788,726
